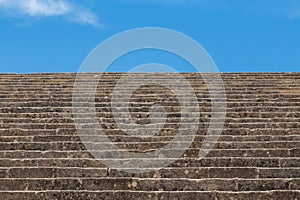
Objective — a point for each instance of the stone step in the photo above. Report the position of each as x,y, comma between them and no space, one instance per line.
105,97
292,92
229,100
191,152
145,102
150,195
187,172
181,162
159,86
243,75
203,109
283,78
142,146
196,85
67,81
229,115
155,138
73,131
150,184
113,126
141,118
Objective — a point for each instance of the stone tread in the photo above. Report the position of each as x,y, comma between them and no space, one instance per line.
159,195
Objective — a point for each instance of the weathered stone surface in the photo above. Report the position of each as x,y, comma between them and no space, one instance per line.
256,157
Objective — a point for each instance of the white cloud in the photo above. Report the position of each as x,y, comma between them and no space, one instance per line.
48,8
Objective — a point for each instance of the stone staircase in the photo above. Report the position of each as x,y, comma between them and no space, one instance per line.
257,156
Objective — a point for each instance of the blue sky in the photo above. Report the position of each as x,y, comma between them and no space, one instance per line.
240,35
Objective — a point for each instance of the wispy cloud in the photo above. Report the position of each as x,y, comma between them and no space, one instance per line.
49,8
295,14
